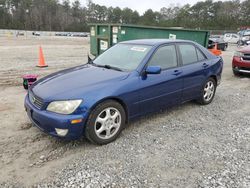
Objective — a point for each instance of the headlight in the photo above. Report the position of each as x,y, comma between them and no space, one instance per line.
64,107
238,54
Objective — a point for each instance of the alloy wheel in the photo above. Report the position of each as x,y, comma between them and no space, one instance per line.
208,91
108,123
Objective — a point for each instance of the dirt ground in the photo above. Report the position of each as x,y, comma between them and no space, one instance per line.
19,56
27,156
22,146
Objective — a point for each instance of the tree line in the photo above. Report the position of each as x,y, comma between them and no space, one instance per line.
55,15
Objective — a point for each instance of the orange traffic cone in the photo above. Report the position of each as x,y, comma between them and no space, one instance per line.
41,62
215,50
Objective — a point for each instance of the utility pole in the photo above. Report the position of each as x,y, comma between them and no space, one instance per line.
25,23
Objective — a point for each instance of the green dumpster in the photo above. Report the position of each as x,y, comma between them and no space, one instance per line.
103,36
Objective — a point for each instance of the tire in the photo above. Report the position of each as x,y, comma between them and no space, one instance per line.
239,43
208,88
105,122
236,73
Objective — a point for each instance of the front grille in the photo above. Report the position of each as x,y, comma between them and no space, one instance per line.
38,102
245,68
246,57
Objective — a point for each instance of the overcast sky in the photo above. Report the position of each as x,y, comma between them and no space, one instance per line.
141,5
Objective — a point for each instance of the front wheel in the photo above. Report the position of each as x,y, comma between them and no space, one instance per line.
240,43
224,48
208,92
105,122
236,73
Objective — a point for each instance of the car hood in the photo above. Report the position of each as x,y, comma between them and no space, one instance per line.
245,49
71,83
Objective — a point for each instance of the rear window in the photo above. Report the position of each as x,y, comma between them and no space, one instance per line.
190,54
200,55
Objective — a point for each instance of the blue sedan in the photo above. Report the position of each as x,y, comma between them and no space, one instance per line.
129,80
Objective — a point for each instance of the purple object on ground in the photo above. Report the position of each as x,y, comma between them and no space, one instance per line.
29,79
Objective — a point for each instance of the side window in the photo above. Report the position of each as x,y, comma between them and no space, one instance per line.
234,36
188,54
165,57
200,55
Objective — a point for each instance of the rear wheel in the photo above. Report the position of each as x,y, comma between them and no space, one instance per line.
105,122
208,92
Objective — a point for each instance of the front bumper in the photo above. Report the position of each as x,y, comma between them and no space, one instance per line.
48,122
241,66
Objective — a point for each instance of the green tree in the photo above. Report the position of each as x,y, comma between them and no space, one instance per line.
61,15
135,18
244,16
117,15
149,18
126,15
66,11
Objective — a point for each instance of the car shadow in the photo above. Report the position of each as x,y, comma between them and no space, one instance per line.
56,148
243,76
160,114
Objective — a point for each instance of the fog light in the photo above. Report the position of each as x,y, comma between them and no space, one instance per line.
62,132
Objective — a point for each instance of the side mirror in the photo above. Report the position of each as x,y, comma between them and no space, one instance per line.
153,70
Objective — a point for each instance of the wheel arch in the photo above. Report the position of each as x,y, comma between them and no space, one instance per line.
116,99
215,78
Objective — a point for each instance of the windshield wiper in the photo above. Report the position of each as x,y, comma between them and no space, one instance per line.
112,67
108,67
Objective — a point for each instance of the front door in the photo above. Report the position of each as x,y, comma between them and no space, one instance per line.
161,90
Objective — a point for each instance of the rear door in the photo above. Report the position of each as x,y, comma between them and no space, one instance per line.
235,38
194,67
227,37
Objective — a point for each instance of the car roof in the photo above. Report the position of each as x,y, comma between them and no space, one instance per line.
158,42
153,42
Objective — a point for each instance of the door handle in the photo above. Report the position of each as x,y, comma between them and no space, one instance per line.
177,72
205,65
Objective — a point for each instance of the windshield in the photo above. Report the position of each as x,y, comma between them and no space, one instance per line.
123,56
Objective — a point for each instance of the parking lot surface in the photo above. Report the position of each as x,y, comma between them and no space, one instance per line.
186,146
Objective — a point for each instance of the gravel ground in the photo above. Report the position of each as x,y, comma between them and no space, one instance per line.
186,146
